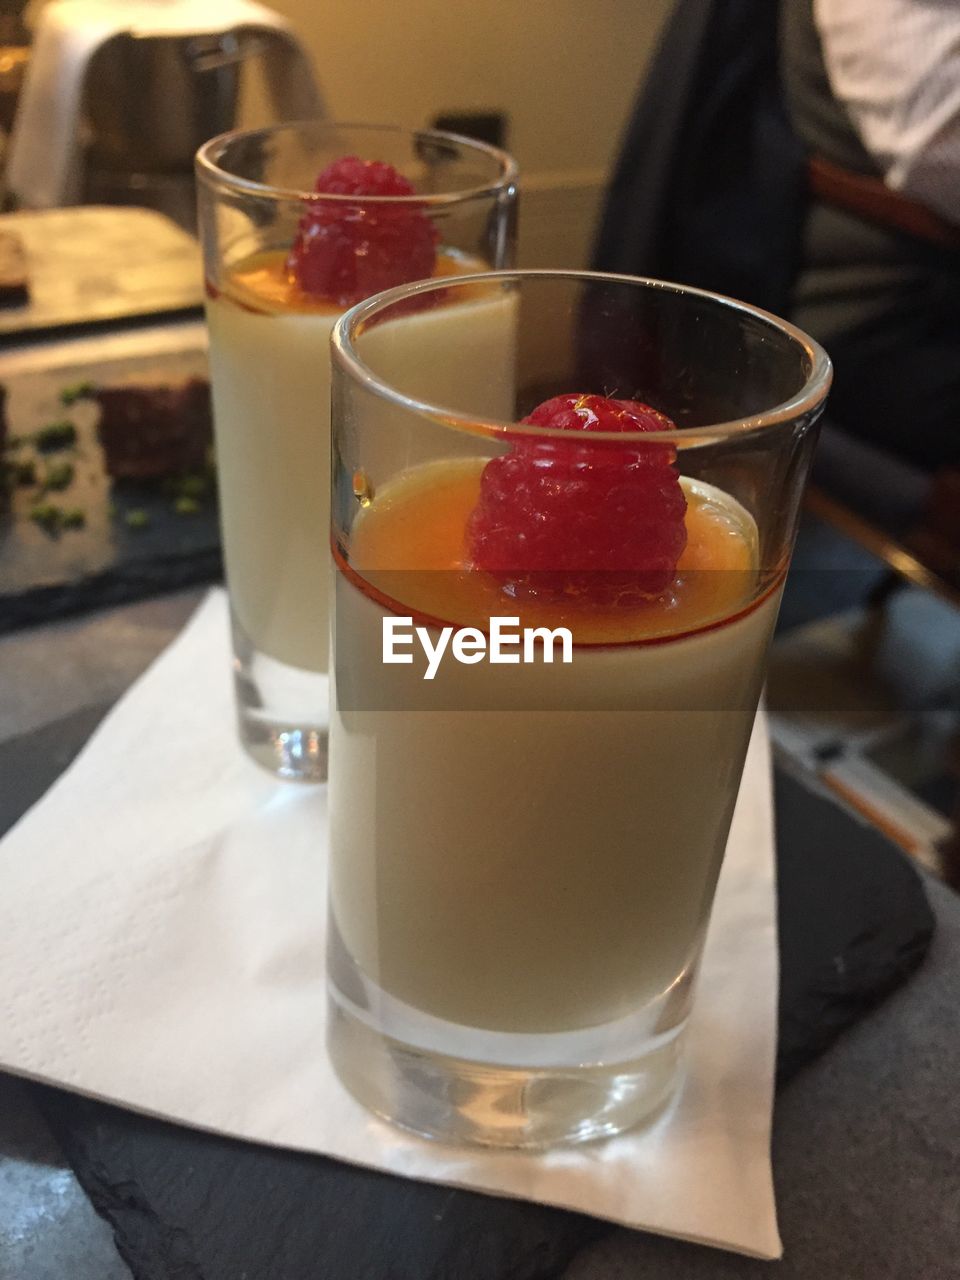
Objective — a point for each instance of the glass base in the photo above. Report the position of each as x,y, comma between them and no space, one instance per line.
297,753
282,713
499,1089
460,1101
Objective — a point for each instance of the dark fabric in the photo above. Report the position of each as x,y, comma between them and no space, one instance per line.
710,190
823,123
709,186
887,308
885,305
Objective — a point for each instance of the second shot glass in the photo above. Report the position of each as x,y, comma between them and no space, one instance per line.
283,261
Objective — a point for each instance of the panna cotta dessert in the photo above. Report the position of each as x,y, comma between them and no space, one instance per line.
270,320
530,848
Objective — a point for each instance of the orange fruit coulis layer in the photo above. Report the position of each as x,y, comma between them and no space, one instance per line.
408,553
263,283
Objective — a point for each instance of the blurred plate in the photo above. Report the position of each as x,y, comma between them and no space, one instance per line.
43,576
100,264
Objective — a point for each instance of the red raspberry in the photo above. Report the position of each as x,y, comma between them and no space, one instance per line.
346,252
604,521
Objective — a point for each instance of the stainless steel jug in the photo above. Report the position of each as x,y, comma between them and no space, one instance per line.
149,103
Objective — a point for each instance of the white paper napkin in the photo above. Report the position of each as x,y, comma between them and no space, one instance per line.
161,946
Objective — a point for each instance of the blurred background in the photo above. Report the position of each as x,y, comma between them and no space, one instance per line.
553,83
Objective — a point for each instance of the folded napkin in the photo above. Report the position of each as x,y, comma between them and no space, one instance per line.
45,159
162,927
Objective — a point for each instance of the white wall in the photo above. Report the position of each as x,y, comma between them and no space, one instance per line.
566,72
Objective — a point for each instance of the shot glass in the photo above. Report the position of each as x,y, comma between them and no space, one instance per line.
550,632
282,262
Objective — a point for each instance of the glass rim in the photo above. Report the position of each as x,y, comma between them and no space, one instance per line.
806,401
210,170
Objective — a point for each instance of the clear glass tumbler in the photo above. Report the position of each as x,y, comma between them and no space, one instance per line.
524,851
270,319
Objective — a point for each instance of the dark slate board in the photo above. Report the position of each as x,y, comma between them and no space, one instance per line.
44,576
853,919
854,923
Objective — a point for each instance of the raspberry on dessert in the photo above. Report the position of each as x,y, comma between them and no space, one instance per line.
346,252
602,521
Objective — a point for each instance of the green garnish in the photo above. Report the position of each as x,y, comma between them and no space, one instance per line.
46,515
57,435
137,518
194,485
186,506
19,473
53,518
77,391
59,476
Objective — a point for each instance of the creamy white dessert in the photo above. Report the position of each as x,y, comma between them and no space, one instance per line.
534,848
270,379
270,376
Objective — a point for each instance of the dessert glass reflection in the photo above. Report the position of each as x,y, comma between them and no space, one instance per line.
298,222
524,851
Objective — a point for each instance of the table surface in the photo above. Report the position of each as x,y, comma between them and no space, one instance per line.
866,1140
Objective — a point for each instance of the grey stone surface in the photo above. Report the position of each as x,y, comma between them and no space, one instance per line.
48,1230
866,1151
51,671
